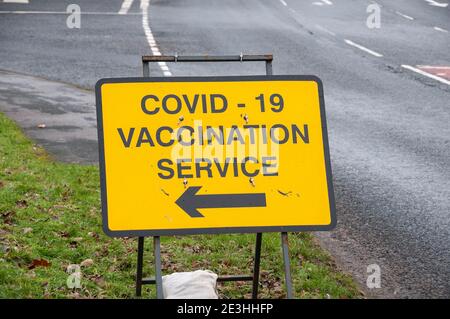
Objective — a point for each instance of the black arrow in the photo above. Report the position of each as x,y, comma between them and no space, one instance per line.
190,202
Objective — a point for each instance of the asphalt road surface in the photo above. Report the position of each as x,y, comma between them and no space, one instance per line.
387,95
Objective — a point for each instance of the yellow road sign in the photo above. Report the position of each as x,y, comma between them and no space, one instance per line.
213,155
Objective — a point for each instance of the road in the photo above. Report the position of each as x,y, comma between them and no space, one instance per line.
388,120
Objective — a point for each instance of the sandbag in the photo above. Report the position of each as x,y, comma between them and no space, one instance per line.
199,284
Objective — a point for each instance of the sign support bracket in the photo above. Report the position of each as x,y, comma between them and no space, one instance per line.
157,280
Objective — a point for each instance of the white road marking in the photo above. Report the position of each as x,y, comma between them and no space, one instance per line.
126,4
325,30
431,76
434,67
327,2
378,55
404,15
64,12
440,29
15,1
437,4
283,3
150,39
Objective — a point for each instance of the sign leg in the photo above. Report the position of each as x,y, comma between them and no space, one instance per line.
158,273
287,264
268,67
140,256
145,69
256,266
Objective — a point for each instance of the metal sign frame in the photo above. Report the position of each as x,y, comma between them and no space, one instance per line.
254,277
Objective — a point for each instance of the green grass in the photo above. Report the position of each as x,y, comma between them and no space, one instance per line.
51,211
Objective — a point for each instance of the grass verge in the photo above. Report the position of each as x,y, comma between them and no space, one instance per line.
50,218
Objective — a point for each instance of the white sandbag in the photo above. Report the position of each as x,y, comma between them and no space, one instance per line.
199,284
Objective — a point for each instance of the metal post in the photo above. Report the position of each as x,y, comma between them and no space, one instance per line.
158,273
145,68
269,67
256,266
287,264
140,257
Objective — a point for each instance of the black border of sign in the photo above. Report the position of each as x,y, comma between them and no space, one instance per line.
217,230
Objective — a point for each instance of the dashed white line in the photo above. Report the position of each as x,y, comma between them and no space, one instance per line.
349,42
126,4
431,76
434,67
327,2
437,4
150,39
15,1
284,3
404,15
440,29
